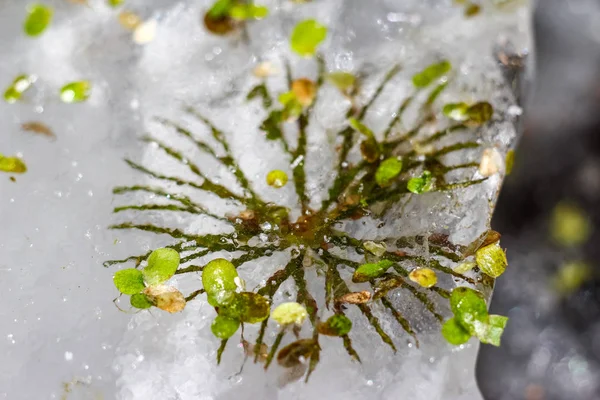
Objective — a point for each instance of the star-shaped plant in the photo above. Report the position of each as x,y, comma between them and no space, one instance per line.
394,164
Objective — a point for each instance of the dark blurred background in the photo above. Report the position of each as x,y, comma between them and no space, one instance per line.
551,291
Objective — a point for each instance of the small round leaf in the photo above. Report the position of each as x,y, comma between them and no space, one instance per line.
491,260
370,271
336,325
248,11
344,81
454,333
569,225
38,18
491,332
115,3
307,36
469,308
140,301
456,111
75,92
224,327
218,279
421,184
12,164
162,265
388,170
129,281
277,178
425,277
480,113
247,307
289,313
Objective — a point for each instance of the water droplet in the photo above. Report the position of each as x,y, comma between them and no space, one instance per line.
369,382
68,356
263,237
265,226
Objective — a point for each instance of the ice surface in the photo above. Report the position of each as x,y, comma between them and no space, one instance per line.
62,330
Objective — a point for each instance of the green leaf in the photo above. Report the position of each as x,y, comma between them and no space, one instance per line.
571,276
289,313
115,3
218,279
469,308
388,170
75,92
491,260
370,271
247,307
248,11
491,332
569,225
454,333
162,265
307,36
11,95
456,111
129,281
224,327
12,164
139,300
480,113
360,127
277,178
420,184
424,277
344,81
498,321
431,73
220,9
38,18
19,85
336,325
